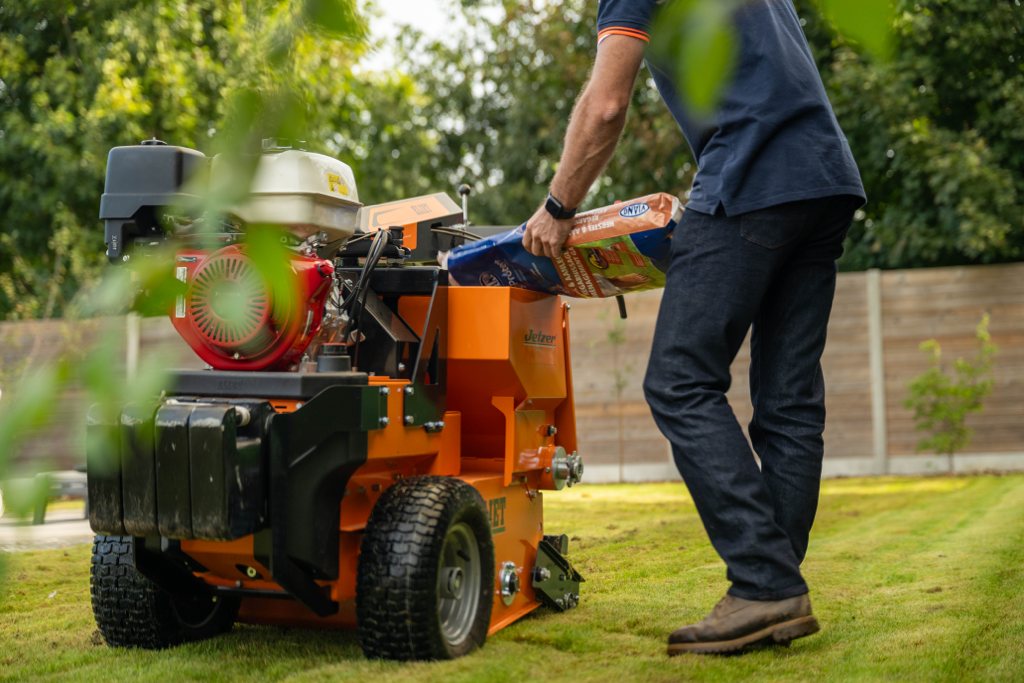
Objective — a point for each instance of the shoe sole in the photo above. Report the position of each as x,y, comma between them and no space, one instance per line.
782,634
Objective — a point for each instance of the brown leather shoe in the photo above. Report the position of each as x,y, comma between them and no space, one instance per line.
736,623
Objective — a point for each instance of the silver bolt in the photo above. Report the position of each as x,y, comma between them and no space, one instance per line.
408,391
238,584
242,416
409,419
429,426
385,421
401,367
440,425
385,391
125,258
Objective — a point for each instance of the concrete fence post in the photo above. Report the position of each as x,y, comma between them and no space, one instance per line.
134,330
876,350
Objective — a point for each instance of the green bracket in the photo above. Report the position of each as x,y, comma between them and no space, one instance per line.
555,580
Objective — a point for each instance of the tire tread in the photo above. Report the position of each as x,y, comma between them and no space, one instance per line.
396,589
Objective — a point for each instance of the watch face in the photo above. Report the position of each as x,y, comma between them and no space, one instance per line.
556,209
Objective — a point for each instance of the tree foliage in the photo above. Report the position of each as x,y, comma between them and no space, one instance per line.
499,99
936,129
937,135
941,401
78,77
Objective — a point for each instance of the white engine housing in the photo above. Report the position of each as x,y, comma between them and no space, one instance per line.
302,191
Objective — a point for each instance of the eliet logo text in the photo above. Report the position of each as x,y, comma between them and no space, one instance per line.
539,339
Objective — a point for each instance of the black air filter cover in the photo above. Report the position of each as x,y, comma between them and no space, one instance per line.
140,180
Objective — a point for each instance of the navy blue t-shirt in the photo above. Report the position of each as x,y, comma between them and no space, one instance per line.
774,138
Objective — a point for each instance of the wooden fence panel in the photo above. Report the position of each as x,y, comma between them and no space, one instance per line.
947,304
614,423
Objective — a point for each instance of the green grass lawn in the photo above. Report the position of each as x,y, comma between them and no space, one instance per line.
912,579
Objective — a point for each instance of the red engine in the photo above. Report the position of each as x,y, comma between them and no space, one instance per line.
235,320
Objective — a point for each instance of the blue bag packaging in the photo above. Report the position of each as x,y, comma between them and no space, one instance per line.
613,250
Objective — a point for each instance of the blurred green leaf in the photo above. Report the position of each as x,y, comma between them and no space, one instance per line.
112,296
24,493
696,41
110,390
101,372
869,22
150,381
340,17
709,55
267,246
28,408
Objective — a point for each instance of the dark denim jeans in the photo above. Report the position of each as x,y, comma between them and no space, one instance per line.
774,269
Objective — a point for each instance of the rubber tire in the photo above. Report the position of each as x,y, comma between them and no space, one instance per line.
131,611
399,561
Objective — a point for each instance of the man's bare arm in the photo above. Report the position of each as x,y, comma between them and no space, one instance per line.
597,122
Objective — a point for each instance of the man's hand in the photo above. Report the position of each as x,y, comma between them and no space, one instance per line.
546,236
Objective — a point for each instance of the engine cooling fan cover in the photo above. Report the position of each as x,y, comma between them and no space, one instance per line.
231,307
235,320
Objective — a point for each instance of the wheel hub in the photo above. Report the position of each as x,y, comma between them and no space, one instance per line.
452,579
459,583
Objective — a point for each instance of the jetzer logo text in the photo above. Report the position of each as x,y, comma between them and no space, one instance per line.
497,509
539,339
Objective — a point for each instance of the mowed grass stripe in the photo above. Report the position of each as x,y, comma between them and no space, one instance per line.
912,596
912,579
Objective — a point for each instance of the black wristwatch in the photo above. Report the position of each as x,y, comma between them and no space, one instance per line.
559,212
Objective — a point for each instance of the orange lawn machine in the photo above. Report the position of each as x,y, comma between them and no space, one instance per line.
368,447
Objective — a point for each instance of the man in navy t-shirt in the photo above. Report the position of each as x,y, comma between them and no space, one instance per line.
773,198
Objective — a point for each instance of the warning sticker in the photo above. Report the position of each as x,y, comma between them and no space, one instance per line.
336,184
180,272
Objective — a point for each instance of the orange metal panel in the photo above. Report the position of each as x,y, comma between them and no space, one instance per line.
517,523
565,414
290,613
537,344
220,557
408,214
414,310
344,588
504,343
507,407
478,323
397,440
524,437
283,405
